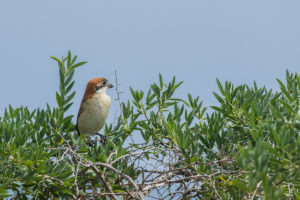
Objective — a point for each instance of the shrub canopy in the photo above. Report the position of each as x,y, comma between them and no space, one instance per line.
161,147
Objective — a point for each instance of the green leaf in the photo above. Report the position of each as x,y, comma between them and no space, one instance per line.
191,99
78,64
160,81
286,105
69,87
218,109
67,106
58,99
73,60
220,99
56,59
284,90
69,60
69,77
220,87
69,98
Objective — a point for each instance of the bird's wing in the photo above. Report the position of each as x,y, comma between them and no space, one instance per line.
83,101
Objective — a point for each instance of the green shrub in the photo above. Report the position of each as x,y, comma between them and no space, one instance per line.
247,147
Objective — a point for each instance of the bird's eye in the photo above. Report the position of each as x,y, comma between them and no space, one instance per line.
104,82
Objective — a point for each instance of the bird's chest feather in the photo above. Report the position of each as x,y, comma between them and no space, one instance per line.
95,113
99,107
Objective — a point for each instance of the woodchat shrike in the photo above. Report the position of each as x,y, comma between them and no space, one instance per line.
94,107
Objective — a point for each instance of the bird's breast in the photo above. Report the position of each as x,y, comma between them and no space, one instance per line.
94,114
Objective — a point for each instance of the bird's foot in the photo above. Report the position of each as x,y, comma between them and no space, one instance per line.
103,138
92,143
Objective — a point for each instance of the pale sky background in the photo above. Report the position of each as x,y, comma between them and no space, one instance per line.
196,40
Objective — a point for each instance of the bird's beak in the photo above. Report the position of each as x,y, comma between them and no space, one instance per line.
110,86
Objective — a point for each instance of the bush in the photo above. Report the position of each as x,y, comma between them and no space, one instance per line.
247,147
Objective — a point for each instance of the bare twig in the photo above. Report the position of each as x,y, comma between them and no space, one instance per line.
257,187
122,174
106,185
117,90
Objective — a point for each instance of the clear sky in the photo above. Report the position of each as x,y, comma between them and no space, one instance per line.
196,40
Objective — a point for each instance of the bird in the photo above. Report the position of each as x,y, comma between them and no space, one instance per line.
94,107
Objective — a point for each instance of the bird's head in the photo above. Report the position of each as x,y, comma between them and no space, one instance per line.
96,85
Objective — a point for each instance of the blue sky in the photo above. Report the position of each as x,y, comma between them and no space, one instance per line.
197,41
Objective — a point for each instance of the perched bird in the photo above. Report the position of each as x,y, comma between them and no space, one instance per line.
94,107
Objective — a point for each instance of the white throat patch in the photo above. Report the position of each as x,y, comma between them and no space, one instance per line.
102,90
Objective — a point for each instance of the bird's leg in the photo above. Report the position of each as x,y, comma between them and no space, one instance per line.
92,142
103,138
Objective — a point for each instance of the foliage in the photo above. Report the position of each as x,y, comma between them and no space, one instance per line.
161,147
